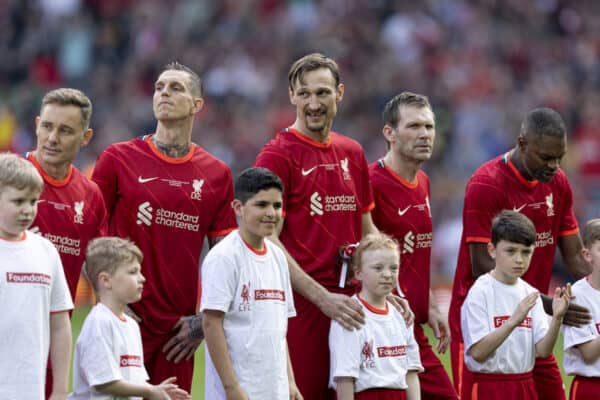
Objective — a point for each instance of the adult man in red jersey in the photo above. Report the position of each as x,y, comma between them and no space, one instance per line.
327,204
401,193
525,179
70,210
167,194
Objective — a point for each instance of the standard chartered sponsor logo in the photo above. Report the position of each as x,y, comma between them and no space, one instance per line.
174,219
419,241
543,239
331,203
65,244
316,207
409,243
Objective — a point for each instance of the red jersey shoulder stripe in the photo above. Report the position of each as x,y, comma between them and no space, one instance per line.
477,239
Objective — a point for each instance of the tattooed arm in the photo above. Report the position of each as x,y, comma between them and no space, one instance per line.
189,335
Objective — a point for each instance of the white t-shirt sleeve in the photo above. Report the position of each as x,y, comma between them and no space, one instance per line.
540,320
582,334
344,348
413,357
96,353
219,279
475,322
60,297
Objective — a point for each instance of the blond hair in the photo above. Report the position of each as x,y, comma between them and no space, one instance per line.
106,254
70,97
19,173
373,241
591,232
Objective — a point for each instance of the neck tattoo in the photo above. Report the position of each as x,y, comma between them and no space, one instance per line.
171,150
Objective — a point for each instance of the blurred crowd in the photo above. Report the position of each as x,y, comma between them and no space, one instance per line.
483,63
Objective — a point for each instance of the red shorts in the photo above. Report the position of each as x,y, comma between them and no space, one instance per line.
546,375
434,381
503,387
156,363
585,388
308,343
381,394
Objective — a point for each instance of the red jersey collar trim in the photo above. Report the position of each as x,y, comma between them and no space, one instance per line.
20,239
404,182
50,180
515,171
374,310
306,139
255,251
170,160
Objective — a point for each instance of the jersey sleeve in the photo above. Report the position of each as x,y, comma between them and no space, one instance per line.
344,350
60,297
474,318
106,178
102,228
482,203
218,282
366,195
96,353
568,222
277,163
224,217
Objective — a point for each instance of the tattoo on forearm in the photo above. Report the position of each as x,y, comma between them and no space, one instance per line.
172,150
196,332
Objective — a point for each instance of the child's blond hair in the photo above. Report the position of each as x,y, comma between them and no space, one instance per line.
373,241
19,173
591,232
106,254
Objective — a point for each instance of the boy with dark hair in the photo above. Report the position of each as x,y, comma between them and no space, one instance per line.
582,344
247,300
503,321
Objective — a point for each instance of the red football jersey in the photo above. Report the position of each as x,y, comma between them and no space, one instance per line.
498,185
402,210
326,191
166,206
70,213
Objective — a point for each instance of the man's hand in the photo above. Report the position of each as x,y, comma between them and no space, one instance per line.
401,304
576,315
440,329
343,309
188,336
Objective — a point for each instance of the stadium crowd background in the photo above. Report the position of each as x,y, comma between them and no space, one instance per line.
482,63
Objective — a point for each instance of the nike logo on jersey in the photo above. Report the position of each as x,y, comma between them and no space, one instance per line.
145,180
517,209
308,171
402,212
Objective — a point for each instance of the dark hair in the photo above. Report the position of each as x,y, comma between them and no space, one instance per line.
195,81
591,232
253,180
513,226
312,62
543,122
391,111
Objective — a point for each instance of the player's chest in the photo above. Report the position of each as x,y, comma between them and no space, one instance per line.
541,205
72,212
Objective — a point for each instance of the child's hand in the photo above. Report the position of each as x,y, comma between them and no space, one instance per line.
524,307
561,300
168,390
294,392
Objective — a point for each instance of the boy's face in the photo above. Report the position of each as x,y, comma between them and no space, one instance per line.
18,208
260,215
379,272
512,260
592,254
127,283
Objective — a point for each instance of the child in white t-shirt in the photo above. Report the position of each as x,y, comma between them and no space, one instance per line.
381,359
503,322
582,344
34,297
247,300
109,359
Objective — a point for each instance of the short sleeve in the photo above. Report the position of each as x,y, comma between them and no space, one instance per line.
106,178
223,220
366,195
568,221
481,204
272,159
413,357
96,353
60,297
540,320
574,336
474,319
344,347
218,282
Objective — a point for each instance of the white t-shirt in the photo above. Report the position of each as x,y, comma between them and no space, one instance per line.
254,292
487,306
109,348
32,286
586,296
378,355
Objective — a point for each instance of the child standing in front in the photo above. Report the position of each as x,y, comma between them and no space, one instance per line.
109,360
582,344
247,300
34,297
381,359
503,321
